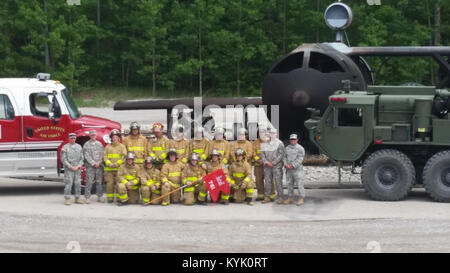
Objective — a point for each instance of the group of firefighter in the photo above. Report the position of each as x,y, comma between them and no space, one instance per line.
150,171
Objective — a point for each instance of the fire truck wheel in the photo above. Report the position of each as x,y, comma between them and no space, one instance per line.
388,175
436,177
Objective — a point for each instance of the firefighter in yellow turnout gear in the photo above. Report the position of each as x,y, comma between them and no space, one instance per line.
157,148
113,156
129,181
241,143
192,176
150,182
171,178
240,173
136,143
180,144
215,164
220,144
199,145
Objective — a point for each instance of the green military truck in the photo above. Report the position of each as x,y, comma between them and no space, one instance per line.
399,135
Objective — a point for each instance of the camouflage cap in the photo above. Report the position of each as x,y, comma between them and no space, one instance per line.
92,132
72,135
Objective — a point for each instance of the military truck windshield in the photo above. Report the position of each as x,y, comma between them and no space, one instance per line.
71,106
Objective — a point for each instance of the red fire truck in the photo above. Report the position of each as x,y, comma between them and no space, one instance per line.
36,116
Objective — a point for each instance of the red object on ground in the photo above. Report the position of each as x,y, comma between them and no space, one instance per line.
216,182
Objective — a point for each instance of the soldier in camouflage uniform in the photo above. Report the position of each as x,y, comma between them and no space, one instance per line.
272,153
93,156
293,158
72,159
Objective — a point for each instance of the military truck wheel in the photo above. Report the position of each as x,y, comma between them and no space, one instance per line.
436,177
388,175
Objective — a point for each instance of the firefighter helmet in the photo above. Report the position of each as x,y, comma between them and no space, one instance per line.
150,160
239,152
135,125
130,155
114,132
242,131
215,152
194,156
157,127
172,152
180,128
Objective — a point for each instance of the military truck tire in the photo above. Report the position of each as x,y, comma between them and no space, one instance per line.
436,177
388,175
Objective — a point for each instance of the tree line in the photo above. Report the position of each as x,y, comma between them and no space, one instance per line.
222,47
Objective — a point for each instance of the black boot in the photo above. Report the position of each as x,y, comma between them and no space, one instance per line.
203,203
120,204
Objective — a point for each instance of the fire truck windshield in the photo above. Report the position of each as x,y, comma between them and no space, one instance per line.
73,110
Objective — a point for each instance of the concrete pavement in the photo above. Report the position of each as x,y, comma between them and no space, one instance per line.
332,220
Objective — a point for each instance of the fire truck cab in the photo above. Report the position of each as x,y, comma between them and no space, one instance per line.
36,116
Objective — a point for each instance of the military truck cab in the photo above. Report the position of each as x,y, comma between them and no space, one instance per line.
399,135
36,116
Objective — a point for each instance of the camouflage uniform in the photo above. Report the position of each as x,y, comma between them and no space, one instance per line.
294,156
273,151
72,156
93,153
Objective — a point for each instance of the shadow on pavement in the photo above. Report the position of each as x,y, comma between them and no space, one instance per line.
15,188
